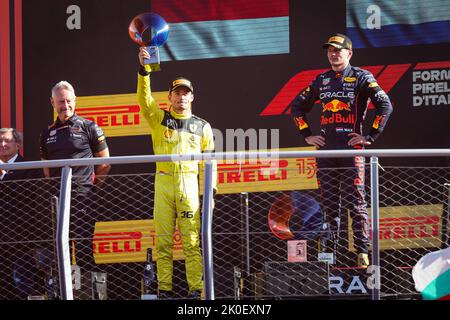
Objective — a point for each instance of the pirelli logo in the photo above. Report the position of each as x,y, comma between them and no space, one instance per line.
408,227
268,175
118,115
336,39
128,241
117,242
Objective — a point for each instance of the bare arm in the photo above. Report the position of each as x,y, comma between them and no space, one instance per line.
102,170
46,170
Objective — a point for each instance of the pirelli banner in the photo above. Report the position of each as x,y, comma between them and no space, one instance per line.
119,114
408,227
402,227
267,174
128,241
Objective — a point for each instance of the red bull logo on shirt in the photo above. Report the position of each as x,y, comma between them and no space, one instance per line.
378,120
301,124
336,106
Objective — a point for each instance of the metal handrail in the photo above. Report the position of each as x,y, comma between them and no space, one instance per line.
227,156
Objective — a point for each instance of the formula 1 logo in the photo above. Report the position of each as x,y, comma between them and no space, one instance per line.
387,76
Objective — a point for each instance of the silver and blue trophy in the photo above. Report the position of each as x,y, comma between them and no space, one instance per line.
149,30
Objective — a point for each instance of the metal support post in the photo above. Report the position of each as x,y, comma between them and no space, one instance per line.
62,235
207,218
375,205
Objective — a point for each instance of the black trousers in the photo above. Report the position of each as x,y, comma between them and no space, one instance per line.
342,186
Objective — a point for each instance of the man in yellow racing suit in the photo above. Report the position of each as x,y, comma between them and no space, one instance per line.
176,131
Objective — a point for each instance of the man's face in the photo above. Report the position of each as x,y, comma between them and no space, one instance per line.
181,99
9,147
63,102
338,58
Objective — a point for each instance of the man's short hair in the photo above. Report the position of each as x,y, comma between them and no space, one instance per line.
18,137
62,85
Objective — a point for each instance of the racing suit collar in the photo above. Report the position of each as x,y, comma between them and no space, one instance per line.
343,73
180,116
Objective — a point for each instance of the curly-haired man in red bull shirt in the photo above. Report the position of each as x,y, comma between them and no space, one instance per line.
343,93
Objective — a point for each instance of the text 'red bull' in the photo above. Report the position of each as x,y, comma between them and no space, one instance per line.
338,118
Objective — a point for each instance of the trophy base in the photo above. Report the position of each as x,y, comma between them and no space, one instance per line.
154,61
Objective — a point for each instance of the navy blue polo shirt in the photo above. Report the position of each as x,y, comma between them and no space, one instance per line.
75,138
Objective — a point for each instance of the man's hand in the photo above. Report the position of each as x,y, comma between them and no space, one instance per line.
357,139
143,54
317,141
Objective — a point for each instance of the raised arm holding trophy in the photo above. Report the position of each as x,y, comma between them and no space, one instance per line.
153,26
173,131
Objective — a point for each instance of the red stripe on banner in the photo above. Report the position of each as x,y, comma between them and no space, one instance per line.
19,63
390,76
284,97
386,81
174,11
375,70
432,65
116,109
117,236
280,102
5,59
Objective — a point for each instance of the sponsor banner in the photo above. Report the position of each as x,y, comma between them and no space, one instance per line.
118,115
267,175
387,77
128,241
213,29
407,227
348,281
431,84
386,23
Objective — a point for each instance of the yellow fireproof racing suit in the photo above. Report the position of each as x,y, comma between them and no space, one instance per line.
176,184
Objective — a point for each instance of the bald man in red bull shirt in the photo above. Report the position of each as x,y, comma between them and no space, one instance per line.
343,93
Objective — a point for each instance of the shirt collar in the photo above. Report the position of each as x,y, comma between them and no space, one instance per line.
2,175
344,72
13,158
71,120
